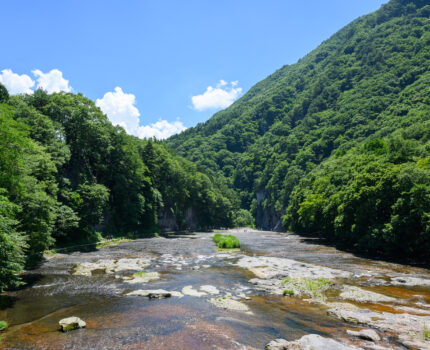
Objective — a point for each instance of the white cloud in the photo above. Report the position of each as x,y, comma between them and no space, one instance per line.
15,83
161,129
52,81
220,96
120,109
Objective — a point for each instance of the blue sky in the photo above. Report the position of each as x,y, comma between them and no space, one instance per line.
159,66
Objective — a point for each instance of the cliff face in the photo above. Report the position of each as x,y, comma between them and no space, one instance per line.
266,218
169,221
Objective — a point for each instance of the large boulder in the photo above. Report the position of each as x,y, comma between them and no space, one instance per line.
71,323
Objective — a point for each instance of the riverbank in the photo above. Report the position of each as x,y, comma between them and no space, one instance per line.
173,291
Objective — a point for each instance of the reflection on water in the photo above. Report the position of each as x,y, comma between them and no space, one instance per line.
116,321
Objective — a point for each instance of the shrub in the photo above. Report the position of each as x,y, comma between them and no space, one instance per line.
226,241
217,237
3,325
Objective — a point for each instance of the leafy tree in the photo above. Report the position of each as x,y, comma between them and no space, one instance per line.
12,244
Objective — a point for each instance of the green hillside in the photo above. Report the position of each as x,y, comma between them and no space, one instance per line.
338,143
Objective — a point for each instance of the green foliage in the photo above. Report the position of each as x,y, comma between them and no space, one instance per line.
371,201
90,201
69,176
217,238
12,244
243,218
226,241
4,94
426,333
338,142
3,325
289,292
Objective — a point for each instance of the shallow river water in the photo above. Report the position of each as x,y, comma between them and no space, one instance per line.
117,321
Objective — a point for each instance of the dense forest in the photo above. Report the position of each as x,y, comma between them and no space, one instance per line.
338,144
67,175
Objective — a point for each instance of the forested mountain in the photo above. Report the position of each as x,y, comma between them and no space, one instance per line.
67,175
338,143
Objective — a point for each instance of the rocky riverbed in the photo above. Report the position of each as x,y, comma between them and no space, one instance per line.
180,293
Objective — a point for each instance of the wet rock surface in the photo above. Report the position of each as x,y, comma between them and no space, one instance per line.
178,290
308,342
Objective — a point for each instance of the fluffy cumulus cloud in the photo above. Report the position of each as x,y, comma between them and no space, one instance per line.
220,96
52,81
161,129
15,83
121,110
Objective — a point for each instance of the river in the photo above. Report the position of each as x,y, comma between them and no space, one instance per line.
115,320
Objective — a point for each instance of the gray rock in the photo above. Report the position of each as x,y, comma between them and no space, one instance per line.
188,290
366,334
229,304
364,296
309,342
410,281
71,323
143,277
407,327
209,289
278,344
110,266
271,267
152,294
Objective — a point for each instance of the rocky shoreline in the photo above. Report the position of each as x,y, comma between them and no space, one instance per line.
344,295
359,304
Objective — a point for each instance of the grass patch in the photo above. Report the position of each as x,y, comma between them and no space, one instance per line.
289,292
145,274
50,252
112,242
426,333
310,287
3,325
226,241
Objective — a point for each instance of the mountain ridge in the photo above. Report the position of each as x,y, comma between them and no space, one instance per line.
364,82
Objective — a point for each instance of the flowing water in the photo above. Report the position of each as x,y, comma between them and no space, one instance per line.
117,321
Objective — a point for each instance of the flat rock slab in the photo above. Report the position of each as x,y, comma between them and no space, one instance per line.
71,323
364,296
408,328
410,281
229,304
110,266
209,289
271,267
188,290
143,278
309,342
